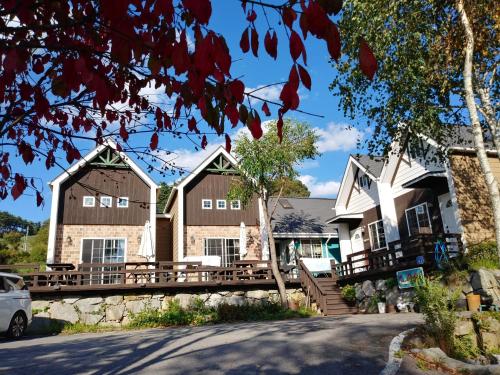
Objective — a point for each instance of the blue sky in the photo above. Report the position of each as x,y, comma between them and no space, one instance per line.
322,176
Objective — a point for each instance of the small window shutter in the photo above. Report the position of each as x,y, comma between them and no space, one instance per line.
87,251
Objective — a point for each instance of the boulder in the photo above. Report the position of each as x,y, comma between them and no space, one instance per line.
464,328
115,313
135,307
380,285
490,341
40,305
258,294
89,305
63,311
214,300
368,288
113,300
485,283
165,303
91,318
70,300
184,299
360,295
392,295
235,300
154,304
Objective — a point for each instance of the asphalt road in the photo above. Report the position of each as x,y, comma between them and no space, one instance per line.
356,344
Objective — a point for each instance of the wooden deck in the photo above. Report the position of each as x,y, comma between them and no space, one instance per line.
420,252
147,276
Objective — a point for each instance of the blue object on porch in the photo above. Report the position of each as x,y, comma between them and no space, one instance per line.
420,260
440,254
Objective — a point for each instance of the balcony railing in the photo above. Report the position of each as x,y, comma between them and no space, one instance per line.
149,275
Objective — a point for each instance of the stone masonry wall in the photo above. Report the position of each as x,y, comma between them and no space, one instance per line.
70,251
195,235
117,309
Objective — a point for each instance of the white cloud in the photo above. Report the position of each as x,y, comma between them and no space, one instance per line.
337,137
320,188
271,93
189,159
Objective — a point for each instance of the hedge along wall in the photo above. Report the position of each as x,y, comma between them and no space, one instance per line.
116,309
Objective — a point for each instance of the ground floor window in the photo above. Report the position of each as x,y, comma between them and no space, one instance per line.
104,251
377,235
311,249
228,249
418,220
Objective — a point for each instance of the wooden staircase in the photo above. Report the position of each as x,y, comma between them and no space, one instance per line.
325,293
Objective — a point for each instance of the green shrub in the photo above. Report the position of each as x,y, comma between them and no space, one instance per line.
391,283
465,348
483,255
437,304
349,293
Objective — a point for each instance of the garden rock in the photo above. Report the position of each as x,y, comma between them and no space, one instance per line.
235,300
380,285
214,300
40,305
258,294
70,300
184,300
64,312
136,307
359,292
115,313
485,281
368,288
91,318
392,295
113,300
464,327
490,341
88,305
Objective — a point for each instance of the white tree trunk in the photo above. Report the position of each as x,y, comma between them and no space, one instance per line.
490,179
274,258
489,115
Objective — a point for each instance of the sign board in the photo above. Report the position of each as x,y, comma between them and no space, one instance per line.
409,278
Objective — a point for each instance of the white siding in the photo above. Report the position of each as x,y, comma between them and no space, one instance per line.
363,199
410,168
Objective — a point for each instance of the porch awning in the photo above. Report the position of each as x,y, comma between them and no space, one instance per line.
436,181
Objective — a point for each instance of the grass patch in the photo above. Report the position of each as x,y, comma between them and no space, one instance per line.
199,314
422,365
399,354
483,255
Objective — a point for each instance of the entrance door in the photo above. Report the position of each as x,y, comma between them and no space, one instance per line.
447,210
357,244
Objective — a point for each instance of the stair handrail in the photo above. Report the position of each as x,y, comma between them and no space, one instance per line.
309,282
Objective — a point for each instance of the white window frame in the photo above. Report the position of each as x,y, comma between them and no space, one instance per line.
125,248
238,205
310,241
378,237
118,202
414,208
219,201
102,204
225,241
88,205
203,201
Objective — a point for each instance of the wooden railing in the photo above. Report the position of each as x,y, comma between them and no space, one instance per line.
311,286
153,275
399,256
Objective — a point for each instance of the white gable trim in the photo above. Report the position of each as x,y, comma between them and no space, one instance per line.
56,183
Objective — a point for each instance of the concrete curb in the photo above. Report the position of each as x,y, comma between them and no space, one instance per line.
393,363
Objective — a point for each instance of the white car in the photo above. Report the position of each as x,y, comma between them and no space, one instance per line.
15,305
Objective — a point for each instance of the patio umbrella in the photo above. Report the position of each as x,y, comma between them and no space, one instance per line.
146,249
243,240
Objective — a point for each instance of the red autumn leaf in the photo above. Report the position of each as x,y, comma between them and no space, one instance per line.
293,78
296,46
237,89
265,109
333,42
279,126
255,42
243,112
289,97
304,77
252,16
289,16
232,114
256,128
228,143
244,41
367,61
200,9
153,144
192,125
204,142
39,199
271,44
19,186
304,24
123,133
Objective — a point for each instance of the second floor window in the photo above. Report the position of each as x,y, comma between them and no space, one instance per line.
88,201
418,220
364,181
221,204
377,235
122,202
206,204
106,201
235,205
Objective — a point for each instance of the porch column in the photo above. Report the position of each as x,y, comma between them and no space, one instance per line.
388,210
344,241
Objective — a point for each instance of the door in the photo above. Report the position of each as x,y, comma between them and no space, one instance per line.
447,211
357,244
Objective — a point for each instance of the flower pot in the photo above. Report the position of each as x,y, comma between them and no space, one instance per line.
381,307
293,305
391,308
473,302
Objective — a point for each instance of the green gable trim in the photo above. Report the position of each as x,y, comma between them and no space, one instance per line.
221,165
109,158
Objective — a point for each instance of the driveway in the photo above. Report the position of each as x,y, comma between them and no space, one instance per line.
355,344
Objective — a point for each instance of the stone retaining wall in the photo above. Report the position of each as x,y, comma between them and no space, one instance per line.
116,309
